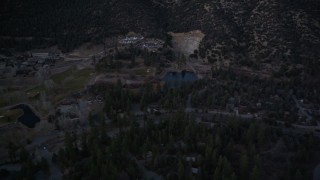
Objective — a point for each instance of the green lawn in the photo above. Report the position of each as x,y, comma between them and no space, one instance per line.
140,72
58,78
70,81
13,97
36,90
77,80
9,116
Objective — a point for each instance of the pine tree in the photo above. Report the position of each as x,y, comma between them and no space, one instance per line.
217,174
24,155
218,141
298,175
12,149
84,144
244,166
226,168
255,174
188,175
251,133
181,170
44,165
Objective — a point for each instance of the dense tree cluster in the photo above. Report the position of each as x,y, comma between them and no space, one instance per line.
253,94
94,155
179,148
117,100
66,23
29,166
36,23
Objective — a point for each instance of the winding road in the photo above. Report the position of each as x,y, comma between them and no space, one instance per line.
301,109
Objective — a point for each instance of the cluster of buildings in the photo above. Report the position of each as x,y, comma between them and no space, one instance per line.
140,42
151,44
75,109
130,39
27,65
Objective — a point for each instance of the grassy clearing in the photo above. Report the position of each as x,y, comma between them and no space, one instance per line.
77,80
14,97
140,72
70,81
3,102
58,78
145,71
36,90
9,116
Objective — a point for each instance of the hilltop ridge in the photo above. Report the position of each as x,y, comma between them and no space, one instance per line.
266,34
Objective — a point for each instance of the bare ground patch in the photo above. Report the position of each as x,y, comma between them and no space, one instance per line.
187,42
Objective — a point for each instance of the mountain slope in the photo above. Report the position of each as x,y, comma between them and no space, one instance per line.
265,34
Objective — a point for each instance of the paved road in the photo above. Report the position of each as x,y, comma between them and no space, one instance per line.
298,130
275,148
218,112
149,175
188,105
301,109
39,143
11,167
55,173
190,109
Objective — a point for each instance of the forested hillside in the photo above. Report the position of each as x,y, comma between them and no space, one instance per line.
247,33
70,23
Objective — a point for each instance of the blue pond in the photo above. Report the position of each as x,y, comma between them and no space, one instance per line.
177,79
28,118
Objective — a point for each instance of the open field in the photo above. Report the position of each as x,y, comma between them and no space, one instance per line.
35,90
72,79
69,81
9,116
12,97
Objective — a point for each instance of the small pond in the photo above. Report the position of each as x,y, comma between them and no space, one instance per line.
177,79
28,118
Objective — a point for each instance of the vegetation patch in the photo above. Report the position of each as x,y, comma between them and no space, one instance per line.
10,116
14,97
58,78
36,90
141,72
